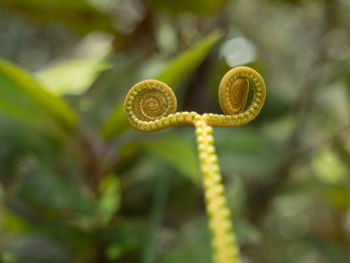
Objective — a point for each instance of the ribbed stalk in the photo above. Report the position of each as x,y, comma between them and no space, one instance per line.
223,240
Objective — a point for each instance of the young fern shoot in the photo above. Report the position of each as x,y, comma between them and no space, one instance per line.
150,106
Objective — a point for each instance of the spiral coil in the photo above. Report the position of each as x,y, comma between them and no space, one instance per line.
150,106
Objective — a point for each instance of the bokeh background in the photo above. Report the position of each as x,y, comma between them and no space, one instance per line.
78,185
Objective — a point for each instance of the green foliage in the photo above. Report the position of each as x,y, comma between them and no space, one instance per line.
188,60
49,192
178,152
81,66
195,6
76,185
79,14
24,99
109,201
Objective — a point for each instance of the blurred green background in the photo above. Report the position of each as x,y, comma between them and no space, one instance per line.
78,185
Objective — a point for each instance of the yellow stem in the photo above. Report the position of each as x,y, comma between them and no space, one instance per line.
223,241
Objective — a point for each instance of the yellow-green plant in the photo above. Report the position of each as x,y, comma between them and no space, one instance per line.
150,106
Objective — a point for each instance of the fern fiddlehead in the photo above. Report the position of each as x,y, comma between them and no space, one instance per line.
150,106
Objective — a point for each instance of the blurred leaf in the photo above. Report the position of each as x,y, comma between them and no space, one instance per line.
79,69
116,123
140,171
194,6
160,199
22,98
178,153
173,72
8,257
329,168
78,14
243,151
78,75
191,243
339,198
47,191
241,139
13,222
117,249
109,200
188,60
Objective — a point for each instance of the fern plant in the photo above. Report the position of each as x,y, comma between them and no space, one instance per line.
150,106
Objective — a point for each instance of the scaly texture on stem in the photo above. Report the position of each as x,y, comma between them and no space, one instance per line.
223,241
150,106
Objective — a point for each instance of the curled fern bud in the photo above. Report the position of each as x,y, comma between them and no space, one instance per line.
150,106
